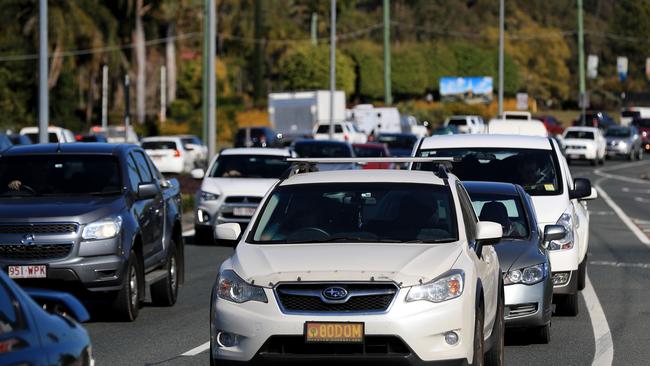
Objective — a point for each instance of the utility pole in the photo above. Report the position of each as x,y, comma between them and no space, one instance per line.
388,94
127,107
43,97
332,64
581,63
502,11
104,98
212,79
204,79
163,94
314,29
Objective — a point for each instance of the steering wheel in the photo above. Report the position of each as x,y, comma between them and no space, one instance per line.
307,233
27,188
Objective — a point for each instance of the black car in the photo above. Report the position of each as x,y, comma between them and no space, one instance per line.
98,219
601,120
5,142
18,139
30,335
257,137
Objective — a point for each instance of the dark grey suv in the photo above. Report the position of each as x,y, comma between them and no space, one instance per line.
98,218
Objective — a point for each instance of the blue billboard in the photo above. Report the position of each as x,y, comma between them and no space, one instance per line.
470,90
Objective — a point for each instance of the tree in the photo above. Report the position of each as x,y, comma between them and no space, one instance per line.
307,68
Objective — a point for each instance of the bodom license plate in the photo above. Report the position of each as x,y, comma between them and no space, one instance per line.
37,271
332,332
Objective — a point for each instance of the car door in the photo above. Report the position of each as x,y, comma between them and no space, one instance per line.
487,264
148,210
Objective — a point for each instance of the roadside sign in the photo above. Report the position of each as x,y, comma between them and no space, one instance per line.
592,66
621,67
522,101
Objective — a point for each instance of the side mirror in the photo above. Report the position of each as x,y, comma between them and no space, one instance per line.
581,189
197,173
60,303
229,231
147,190
553,232
592,196
488,233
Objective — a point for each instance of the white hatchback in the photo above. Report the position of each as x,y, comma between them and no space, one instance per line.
361,266
585,143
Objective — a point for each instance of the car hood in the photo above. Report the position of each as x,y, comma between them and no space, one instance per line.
549,208
405,264
579,142
517,254
238,186
82,209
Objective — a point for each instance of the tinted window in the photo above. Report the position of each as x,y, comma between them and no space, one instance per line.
322,150
35,175
398,141
469,218
357,212
143,168
134,177
504,210
10,316
249,166
643,122
632,114
326,129
159,145
4,142
618,132
535,169
587,135
368,152
457,122
52,137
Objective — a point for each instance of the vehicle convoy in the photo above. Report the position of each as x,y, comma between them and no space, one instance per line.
537,164
524,260
585,143
624,141
41,327
233,186
96,218
393,267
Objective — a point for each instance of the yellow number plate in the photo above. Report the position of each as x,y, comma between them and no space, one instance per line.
331,332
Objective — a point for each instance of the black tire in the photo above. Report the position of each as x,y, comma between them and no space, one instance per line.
542,334
479,346
568,305
495,356
127,301
165,292
594,162
582,274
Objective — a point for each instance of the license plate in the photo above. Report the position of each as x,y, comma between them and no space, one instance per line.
332,332
243,211
35,271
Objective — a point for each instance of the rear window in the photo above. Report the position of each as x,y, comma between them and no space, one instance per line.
320,150
632,114
159,145
504,210
52,137
326,129
368,152
586,135
457,122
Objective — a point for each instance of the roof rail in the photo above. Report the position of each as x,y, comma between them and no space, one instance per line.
373,160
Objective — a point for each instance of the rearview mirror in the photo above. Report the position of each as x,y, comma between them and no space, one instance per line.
228,231
488,233
147,190
592,196
197,173
60,303
553,232
581,189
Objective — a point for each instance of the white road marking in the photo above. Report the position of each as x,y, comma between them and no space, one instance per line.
601,172
196,350
642,200
604,354
643,238
601,213
188,232
620,264
635,190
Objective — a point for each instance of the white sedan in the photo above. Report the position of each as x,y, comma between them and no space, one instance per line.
585,143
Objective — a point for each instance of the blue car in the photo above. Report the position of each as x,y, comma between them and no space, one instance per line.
41,327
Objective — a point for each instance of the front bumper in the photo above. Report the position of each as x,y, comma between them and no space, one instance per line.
570,287
221,213
419,325
614,150
528,306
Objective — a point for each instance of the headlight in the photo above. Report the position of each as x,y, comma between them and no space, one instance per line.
207,196
644,133
565,220
102,229
448,287
232,288
528,276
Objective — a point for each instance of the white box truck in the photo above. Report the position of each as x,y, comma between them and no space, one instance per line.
294,114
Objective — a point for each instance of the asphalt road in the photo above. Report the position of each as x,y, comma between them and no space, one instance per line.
611,327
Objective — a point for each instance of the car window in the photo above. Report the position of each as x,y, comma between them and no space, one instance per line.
469,217
143,168
502,209
457,122
322,150
576,134
11,319
357,212
642,122
618,132
249,166
366,152
326,128
134,177
159,145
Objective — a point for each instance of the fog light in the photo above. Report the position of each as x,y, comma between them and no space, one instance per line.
225,339
451,338
202,216
561,278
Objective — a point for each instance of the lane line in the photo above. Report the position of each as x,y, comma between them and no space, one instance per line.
604,354
620,264
188,232
196,350
601,172
643,238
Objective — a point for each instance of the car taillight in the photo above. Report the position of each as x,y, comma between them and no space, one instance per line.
177,153
78,137
346,137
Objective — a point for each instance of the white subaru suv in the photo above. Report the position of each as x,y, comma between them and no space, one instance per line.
363,266
537,164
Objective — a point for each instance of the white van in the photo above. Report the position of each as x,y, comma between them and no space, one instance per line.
373,121
55,134
537,164
531,127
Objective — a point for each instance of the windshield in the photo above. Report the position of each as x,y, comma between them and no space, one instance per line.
326,129
322,150
59,175
586,135
503,209
617,132
159,145
536,170
357,212
249,166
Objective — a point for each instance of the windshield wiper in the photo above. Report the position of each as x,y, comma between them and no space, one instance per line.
430,241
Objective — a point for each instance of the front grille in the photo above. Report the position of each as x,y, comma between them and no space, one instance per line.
48,251
373,345
362,298
243,199
514,311
65,228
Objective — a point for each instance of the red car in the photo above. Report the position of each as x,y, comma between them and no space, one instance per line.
372,150
553,126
